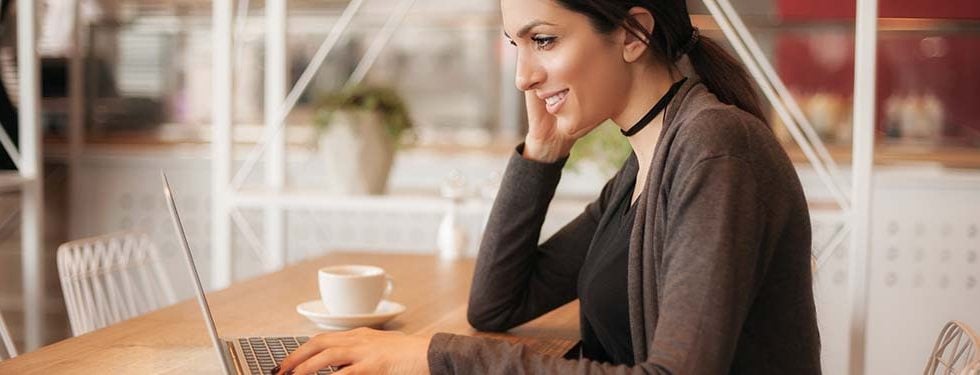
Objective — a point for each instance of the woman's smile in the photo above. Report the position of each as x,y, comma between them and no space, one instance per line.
554,101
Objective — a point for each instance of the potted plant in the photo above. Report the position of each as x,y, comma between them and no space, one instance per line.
359,129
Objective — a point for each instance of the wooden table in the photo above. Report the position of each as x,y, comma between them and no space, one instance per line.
174,339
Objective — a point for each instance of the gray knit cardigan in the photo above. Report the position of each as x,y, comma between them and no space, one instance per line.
719,270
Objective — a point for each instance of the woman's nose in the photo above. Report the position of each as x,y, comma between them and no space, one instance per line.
529,74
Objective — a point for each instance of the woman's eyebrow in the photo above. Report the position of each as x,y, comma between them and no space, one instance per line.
524,30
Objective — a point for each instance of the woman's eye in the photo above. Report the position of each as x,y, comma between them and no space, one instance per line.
542,42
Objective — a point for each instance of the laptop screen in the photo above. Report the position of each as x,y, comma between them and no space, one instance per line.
198,289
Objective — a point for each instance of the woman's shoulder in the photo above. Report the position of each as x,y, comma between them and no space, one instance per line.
702,127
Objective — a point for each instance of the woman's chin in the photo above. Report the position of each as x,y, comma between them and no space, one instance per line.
569,128
573,129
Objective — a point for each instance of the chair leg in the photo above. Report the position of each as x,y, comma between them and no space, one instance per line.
8,342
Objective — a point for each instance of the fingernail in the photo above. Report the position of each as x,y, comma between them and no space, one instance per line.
274,371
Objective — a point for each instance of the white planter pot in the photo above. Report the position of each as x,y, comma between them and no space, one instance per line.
358,153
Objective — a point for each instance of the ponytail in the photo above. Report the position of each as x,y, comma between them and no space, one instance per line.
724,76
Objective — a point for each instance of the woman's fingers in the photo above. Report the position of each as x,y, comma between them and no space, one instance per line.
301,354
362,350
541,124
316,344
535,106
544,141
329,357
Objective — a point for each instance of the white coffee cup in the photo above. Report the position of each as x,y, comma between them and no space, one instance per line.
353,289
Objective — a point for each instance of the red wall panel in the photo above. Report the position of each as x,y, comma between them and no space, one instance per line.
844,9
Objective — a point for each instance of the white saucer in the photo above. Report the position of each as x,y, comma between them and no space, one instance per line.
317,312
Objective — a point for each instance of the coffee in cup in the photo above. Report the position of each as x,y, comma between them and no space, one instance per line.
353,289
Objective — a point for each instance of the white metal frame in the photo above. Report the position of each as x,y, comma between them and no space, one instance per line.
225,187
862,164
31,169
275,94
222,99
28,160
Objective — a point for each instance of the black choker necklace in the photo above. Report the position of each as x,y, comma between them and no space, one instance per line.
657,108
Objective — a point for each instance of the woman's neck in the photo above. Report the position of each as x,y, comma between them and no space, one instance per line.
649,85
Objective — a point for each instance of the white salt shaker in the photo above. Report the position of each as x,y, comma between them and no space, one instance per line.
451,238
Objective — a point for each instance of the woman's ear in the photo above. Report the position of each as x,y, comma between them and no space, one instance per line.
633,46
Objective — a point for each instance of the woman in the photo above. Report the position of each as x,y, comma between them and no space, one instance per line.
695,258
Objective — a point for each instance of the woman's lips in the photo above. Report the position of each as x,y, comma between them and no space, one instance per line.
554,102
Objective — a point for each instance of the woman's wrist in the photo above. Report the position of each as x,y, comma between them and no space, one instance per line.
546,151
438,353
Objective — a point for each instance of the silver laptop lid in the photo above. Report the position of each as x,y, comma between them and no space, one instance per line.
198,289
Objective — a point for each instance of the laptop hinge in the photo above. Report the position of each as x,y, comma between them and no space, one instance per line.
231,357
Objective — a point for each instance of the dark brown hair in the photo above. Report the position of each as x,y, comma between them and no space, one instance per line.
719,71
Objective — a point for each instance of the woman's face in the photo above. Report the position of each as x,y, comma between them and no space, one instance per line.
581,75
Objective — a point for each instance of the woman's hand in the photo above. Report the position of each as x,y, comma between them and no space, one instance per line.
544,142
360,351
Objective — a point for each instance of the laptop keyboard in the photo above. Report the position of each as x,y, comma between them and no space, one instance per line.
264,353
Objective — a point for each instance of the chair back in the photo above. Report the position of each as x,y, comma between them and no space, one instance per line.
111,278
7,350
955,352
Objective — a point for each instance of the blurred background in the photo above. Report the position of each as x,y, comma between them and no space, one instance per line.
380,163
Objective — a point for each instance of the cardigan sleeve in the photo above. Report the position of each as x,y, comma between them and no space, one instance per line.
710,265
456,354
516,279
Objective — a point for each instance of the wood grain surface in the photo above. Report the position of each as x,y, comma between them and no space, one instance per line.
174,339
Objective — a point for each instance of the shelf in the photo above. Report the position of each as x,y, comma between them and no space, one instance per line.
10,181
885,153
892,154
706,22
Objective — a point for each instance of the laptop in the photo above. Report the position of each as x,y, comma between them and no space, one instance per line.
243,355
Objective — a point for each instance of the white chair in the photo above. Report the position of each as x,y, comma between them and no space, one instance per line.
111,278
955,352
8,343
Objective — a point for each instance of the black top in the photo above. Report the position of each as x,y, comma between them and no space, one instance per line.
602,289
